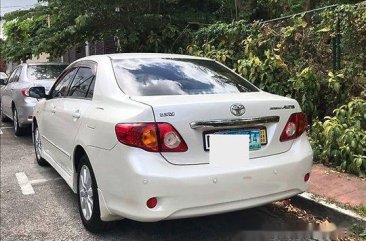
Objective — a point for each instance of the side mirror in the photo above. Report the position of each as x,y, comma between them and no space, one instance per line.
37,92
3,81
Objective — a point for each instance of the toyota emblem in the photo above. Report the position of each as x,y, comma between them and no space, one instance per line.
237,109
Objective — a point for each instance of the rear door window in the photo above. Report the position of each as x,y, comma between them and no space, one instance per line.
90,93
164,76
83,83
11,78
14,77
62,86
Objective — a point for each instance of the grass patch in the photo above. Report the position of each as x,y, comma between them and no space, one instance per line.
360,210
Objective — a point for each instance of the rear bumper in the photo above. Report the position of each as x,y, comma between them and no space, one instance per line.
195,190
25,111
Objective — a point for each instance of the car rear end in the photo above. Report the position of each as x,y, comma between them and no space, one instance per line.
166,171
40,74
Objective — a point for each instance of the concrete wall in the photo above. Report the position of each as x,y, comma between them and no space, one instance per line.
98,47
41,58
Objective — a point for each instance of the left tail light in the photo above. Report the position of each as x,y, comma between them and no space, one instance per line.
25,92
295,126
154,137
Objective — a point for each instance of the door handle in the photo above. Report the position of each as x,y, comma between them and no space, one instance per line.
53,111
76,114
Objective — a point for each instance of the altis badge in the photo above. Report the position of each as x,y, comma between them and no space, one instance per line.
285,107
166,114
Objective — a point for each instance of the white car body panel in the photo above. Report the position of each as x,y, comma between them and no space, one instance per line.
190,190
128,176
190,108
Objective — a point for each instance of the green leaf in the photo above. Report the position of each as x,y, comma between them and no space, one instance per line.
323,30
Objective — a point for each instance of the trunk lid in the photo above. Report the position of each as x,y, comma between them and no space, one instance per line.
192,116
47,84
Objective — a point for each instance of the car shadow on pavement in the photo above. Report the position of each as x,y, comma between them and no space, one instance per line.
52,211
215,227
60,212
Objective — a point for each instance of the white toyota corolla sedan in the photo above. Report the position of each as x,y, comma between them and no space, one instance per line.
151,137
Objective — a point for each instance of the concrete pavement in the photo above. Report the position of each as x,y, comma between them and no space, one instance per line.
50,211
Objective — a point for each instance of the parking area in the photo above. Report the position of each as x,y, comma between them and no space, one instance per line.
36,204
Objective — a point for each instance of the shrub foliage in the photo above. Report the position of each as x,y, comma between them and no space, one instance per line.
317,59
341,139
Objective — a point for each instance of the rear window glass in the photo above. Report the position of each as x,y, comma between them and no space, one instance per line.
149,77
44,72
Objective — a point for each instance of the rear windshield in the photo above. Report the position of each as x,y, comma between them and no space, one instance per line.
149,76
44,72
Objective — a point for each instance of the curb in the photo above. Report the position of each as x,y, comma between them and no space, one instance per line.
320,207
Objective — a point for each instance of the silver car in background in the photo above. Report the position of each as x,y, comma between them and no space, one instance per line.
3,77
3,80
15,102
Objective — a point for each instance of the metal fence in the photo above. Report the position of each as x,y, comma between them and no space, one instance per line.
336,41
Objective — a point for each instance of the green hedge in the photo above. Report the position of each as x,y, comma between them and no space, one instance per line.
341,139
295,58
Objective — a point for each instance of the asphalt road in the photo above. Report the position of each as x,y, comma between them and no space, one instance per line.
51,212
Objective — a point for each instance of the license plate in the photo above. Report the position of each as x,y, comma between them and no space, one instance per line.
257,137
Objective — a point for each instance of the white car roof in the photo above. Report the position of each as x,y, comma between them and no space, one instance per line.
144,55
45,63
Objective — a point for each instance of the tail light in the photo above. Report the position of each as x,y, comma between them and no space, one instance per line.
154,137
295,126
25,91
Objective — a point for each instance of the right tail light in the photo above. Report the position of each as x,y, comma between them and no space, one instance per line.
295,126
150,136
25,92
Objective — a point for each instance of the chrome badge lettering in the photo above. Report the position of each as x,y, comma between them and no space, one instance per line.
166,114
285,107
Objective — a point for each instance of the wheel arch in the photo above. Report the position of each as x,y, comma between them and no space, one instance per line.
105,213
79,151
34,123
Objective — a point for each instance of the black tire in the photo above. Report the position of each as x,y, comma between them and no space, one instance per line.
38,144
18,131
93,224
3,117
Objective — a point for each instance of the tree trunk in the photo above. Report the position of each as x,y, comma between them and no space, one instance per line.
238,5
253,11
308,5
252,4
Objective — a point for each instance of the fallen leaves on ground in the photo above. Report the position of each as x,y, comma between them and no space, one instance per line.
322,224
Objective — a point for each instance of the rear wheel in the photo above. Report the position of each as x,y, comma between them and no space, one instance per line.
3,117
88,200
38,147
18,131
